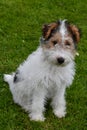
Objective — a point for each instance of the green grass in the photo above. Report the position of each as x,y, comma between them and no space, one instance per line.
20,29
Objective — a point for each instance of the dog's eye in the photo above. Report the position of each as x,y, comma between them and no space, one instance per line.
67,43
54,43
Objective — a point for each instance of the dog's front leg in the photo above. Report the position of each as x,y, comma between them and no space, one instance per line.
37,106
58,102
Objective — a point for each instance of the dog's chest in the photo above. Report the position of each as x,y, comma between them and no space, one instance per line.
59,76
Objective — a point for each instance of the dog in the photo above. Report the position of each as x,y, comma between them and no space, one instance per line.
47,72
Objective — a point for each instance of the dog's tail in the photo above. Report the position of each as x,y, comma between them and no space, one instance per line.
9,78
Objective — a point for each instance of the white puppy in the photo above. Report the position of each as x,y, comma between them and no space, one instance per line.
47,72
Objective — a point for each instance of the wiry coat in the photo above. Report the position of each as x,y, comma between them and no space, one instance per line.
45,74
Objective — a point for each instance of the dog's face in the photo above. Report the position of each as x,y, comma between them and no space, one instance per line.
59,42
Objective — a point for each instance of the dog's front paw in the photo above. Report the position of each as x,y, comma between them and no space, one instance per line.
60,113
36,117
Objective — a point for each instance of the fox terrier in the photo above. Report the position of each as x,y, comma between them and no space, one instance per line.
47,72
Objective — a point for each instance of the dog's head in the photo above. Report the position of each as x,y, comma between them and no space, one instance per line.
59,42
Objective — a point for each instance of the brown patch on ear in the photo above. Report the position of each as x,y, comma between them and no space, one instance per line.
48,29
75,33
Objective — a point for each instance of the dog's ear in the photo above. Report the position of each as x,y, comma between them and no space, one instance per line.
75,32
47,30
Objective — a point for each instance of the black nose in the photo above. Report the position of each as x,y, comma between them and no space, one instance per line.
60,60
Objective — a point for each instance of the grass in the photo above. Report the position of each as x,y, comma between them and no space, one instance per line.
20,29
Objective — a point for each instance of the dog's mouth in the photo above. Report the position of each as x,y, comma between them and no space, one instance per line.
61,65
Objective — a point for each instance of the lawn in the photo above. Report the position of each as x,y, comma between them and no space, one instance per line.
20,28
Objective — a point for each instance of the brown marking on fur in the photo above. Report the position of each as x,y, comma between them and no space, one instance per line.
69,46
58,38
47,29
68,43
55,39
75,32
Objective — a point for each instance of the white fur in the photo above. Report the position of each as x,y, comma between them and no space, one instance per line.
41,78
63,29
